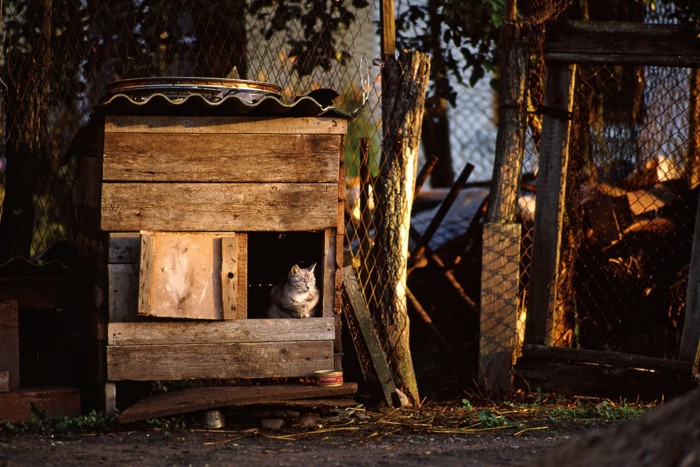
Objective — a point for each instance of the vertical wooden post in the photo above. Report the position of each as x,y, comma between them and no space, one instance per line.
690,337
694,130
499,341
551,187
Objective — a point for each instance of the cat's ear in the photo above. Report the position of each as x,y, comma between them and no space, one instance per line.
296,269
313,266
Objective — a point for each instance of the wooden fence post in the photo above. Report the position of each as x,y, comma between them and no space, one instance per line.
499,332
549,212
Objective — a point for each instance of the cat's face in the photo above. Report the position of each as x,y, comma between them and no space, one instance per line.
303,278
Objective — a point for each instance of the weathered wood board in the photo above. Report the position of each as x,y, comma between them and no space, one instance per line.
212,157
189,275
255,125
220,360
212,207
602,374
251,330
196,399
16,406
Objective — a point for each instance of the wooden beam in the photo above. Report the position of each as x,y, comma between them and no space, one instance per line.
551,187
220,157
622,43
255,125
690,336
365,339
196,399
16,406
220,360
218,206
251,330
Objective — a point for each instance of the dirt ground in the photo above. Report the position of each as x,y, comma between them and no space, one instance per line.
434,435
186,447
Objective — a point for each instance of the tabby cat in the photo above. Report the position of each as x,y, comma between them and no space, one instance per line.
295,297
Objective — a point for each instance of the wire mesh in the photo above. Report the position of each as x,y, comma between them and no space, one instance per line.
631,214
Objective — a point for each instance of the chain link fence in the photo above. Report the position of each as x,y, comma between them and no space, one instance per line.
630,211
58,56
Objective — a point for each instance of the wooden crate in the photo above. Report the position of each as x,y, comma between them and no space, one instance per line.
214,193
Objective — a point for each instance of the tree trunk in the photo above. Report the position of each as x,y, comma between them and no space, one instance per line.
403,101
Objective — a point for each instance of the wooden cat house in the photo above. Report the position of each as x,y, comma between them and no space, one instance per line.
195,206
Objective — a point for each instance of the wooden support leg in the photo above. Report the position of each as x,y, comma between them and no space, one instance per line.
110,398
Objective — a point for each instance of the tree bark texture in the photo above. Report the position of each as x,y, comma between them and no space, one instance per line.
403,102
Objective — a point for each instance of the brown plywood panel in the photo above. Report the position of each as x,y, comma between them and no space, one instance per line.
180,275
250,330
227,360
163,124
207,157
219,206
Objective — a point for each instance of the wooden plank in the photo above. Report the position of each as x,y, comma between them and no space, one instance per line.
551,188
690,336
254,125
501,326
180,275
594,379
366,341
214,157
124,247
16,406
388,22
328,272
197,399
622,43
218,206
251,330
242,286
9,341
220,360
229,277
123,291
608,358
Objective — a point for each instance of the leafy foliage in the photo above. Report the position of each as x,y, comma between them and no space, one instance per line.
460,35
317,45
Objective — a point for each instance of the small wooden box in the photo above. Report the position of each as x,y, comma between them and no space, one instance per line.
201,215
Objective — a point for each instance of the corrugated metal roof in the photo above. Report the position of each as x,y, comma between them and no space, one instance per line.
232,105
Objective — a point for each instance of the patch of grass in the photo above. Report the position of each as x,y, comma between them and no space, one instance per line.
51,424
489,419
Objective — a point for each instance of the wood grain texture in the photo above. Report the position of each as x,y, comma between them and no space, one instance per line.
221,157
181,275
196,399
16,406
220,360
255,125
622,43
218,206
251,330
549,212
